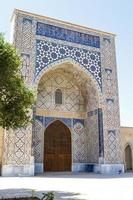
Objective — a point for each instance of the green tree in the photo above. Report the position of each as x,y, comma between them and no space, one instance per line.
15,98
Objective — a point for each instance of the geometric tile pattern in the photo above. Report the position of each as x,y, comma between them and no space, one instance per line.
79,141
72,97
74,93
109,80
17,146
45,121
39,51
112,121
112,145
40,119
49,120
112,141
26,36
25,68
22,147
38,141
100,130
66,81
8,148
107,53
49,52
92,137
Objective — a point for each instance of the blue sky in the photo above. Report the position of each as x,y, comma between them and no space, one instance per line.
109,15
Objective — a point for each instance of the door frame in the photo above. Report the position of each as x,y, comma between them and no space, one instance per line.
70,141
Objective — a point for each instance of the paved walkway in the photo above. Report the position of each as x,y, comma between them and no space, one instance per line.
71,186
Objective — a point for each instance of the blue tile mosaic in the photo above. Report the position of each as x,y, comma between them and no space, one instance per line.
99,114
48,120
67,35
66,121
27,20
49,52
81,121
39,118
100,128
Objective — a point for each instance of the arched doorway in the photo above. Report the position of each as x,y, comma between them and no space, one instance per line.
66,92
128,157
57,147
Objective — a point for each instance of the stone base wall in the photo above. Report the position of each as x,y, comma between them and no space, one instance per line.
109,168
18,170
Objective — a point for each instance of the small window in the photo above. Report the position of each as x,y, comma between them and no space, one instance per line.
58,96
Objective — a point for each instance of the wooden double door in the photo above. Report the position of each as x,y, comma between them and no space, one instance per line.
57,147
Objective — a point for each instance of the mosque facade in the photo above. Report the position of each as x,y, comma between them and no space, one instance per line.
76,121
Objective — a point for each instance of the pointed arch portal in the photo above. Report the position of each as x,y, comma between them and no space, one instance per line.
57,147
128,157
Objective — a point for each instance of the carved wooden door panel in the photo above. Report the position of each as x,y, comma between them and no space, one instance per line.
57,147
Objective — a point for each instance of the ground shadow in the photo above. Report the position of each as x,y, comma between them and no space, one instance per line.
58,195
82,175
